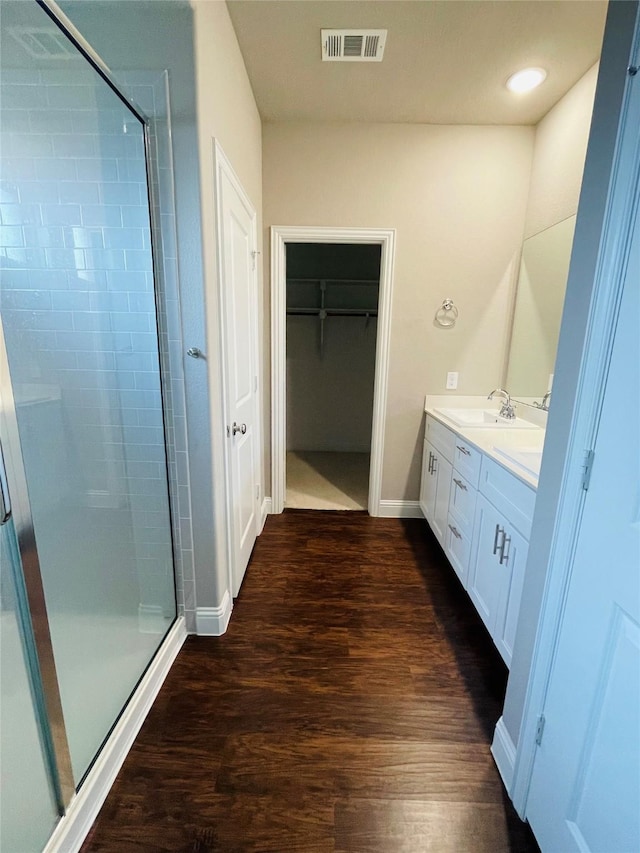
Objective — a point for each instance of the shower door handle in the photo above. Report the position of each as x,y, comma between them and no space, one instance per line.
5,499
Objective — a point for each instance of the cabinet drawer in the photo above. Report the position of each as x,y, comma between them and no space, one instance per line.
440,437
509,495
467,460
462,502
457,546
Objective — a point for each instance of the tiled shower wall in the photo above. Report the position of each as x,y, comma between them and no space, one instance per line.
73,203
150,92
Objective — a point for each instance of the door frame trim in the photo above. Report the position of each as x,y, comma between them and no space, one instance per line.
620,175
280,236
222,166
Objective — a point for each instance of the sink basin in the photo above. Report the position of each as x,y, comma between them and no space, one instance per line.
483,418
528,458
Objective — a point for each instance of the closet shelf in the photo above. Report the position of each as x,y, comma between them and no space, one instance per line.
323,311
354,281
334,312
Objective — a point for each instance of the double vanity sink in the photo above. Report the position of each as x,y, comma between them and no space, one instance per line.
478,490
523,450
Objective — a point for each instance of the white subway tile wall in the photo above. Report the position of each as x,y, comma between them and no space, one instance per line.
78,301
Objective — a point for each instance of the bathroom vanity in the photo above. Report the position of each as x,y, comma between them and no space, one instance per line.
478,492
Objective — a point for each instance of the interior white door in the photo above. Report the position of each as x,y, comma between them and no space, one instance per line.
239,302
585,789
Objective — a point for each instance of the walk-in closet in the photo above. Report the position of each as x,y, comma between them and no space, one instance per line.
332,307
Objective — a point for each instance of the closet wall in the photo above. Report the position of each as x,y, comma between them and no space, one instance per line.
331,365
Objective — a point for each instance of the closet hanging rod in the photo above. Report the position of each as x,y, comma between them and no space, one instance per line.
333,281
348,312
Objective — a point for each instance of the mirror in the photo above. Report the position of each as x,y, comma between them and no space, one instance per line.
542,282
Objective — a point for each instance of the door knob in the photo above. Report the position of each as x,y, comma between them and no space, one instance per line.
239,429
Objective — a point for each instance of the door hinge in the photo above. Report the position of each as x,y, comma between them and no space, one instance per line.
540,729
254,256
257,491
588,467
255,384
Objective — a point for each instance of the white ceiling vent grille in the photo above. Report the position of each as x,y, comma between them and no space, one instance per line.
353,45
44,43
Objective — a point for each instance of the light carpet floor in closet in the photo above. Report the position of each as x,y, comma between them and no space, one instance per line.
323,480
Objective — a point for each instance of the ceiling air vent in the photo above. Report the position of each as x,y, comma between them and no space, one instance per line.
353,45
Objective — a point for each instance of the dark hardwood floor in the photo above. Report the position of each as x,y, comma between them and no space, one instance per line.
349,707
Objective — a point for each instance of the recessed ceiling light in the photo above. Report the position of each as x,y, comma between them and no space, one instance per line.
526,80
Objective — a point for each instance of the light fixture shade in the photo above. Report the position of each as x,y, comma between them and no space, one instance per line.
526,80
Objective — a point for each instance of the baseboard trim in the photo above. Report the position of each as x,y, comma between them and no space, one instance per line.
265,510
504,753
74,827
399,509
213,621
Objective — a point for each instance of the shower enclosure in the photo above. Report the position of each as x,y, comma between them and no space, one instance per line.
87,583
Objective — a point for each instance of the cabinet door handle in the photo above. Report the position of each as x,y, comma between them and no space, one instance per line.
460,484
429,463
499,530
454,531
433,464
504,558
463,450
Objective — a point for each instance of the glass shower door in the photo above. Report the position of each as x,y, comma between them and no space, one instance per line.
79,318
28,809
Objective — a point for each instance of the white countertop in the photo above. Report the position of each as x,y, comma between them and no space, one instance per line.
487,439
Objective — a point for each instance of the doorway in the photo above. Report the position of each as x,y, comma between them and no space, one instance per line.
332,308
331,312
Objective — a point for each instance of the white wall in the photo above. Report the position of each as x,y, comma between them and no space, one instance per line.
457,197
226,111
558,156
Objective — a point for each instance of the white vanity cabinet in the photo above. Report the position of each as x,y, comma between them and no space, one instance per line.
435,483
462,505
481,515
500,545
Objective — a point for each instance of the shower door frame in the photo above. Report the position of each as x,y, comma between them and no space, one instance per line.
52,723
51,718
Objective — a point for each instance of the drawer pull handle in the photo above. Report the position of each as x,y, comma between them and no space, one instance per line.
460,484
463,450
455,532
499,530
504,558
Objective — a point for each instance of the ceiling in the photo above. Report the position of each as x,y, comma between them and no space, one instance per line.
445,62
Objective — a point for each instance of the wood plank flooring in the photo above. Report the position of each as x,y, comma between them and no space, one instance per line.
348,709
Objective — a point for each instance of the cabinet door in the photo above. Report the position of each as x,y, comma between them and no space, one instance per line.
442,474
462,502
427,483
457,548
514,561
486,573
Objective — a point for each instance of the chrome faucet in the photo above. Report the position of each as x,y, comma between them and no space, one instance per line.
544,405
506,411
